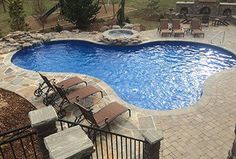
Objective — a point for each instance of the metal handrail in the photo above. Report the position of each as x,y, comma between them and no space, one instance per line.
15,138
108,143
97,129
14,130
14,143
105,143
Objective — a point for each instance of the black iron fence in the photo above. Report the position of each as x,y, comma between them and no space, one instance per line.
110,145
22,143
19,143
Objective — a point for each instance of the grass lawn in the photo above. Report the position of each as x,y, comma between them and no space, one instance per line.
138,16
4,18
140,4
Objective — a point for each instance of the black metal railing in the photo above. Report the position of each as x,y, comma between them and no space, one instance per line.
19,143
22,143
110,145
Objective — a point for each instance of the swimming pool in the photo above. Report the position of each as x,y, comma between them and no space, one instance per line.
157,75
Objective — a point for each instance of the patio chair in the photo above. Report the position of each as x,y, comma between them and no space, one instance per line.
187,19
220,21
105,115
195,27
164,28
177,30
47,86
74,96
205,20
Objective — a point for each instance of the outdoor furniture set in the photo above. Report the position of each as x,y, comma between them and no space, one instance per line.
177,30
65,93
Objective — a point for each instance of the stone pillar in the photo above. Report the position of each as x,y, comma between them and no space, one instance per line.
152,147
43,121
232,153
70,143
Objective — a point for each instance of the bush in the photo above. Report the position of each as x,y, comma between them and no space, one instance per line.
17,15
39,7
153,6
127,20
80,12
58,28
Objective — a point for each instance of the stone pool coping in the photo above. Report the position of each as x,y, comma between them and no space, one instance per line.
203,101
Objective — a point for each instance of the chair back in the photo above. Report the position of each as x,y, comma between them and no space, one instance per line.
61,92
176,24
45,79
195,24
88,114
164,24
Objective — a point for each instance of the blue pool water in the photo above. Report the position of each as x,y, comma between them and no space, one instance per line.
157,75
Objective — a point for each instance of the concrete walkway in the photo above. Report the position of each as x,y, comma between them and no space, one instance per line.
204,130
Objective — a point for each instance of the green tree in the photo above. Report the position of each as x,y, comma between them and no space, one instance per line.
1,33
121,13
80,12
39,7
17,15
3,5
153,6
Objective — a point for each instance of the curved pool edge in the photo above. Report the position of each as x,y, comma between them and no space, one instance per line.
145,42
208,91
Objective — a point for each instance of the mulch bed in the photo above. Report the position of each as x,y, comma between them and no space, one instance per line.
14,111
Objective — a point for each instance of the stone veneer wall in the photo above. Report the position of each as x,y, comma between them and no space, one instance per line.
188,5
224,6
216,8
212,5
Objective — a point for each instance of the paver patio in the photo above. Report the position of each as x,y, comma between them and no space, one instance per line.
204,130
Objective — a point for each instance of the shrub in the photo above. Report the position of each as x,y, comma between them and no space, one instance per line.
58,28
127,20
17,16
80,12
153,6
39,7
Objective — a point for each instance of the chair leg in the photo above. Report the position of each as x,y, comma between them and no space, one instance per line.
62,111
129,112
101,94
108,127
79,118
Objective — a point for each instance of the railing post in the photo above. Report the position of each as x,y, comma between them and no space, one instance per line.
70,143
43,121
232,152
153,143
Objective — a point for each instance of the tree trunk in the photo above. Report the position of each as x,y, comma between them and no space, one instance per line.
4,7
